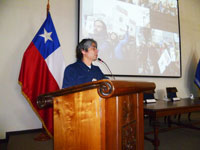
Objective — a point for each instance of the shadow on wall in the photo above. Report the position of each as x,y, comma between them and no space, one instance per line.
160,94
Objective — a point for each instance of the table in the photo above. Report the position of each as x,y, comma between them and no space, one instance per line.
167,108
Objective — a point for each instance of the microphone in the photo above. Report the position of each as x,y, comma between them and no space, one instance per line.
99,59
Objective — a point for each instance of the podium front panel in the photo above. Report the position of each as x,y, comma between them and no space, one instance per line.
77,121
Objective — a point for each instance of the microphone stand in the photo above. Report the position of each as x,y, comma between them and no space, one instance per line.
99,59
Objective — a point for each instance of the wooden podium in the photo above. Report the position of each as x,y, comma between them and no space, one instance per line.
100,115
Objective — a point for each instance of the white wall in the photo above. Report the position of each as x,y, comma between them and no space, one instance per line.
19,22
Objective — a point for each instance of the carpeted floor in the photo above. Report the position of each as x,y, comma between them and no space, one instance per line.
27,142
177,139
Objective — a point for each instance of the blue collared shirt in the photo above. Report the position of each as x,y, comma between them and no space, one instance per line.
79,73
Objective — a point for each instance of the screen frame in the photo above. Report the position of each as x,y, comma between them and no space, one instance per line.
148,76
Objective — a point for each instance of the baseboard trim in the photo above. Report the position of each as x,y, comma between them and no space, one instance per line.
8,134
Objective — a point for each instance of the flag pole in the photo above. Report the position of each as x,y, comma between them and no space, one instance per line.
44,136
48,7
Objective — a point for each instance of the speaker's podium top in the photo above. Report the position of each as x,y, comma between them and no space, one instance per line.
106,88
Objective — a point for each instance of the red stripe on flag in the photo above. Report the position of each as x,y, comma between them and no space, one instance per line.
36,79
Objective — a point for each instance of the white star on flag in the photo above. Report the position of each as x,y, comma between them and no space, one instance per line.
46,36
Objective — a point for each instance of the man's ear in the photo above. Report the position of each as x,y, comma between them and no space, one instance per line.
83,51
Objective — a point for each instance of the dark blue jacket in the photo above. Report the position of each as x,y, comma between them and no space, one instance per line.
78,73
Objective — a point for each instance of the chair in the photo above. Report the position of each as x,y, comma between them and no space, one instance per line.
148,95
171,93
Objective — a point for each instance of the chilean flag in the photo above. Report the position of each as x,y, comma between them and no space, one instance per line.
42,70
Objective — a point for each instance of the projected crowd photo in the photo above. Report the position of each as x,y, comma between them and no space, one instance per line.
135,37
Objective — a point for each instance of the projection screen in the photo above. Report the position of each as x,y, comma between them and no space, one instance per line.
135,37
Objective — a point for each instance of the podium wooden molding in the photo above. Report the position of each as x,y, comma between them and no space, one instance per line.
99,115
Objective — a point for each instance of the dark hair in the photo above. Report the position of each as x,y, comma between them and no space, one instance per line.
83,45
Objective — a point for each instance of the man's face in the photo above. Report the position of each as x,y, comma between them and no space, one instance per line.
91,54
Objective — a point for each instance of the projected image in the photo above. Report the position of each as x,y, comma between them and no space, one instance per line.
135,37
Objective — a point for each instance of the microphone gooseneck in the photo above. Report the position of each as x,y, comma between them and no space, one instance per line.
99,59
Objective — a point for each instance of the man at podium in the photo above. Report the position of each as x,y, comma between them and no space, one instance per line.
83,70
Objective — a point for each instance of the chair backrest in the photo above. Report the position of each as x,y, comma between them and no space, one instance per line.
149,94
171,92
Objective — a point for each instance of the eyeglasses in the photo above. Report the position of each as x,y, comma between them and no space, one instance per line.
93,47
